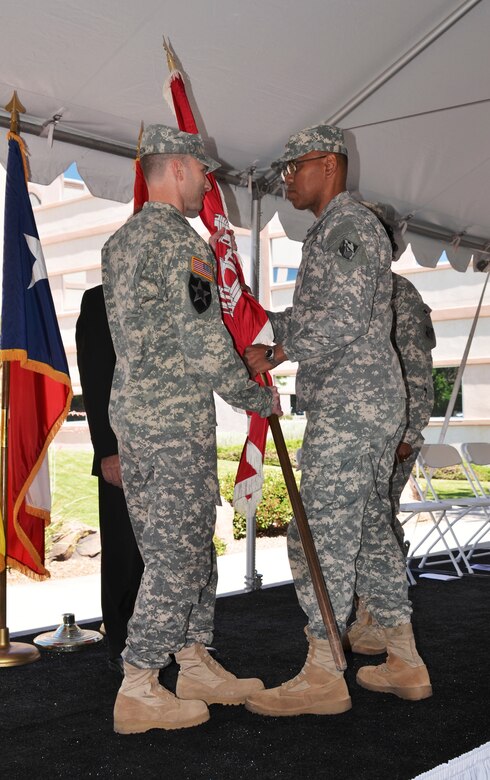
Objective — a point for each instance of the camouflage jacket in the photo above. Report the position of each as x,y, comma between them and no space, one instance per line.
338,327
171,345
414,339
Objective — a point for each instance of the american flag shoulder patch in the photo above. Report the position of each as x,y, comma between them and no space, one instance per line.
201,268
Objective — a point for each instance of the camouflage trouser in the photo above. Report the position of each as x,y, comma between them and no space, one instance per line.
347,460
399,478
172,505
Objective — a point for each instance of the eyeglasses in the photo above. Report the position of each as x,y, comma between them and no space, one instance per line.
291,167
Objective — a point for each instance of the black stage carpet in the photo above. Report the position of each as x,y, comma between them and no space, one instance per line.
57,712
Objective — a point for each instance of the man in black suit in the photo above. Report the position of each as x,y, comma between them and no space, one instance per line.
121,563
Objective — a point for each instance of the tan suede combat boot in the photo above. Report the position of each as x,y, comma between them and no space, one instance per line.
201,677
364,635
143,704
319,688
404,673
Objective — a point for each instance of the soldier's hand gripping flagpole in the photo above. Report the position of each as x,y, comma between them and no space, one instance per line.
244,318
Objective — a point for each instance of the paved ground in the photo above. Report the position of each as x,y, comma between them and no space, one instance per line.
33,606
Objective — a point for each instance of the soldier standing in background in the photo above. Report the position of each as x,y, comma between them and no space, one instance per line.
349,383
172,351
413,338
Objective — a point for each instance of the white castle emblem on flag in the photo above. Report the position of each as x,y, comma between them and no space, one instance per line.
229,287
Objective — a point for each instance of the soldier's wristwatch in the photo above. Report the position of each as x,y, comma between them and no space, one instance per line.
270,355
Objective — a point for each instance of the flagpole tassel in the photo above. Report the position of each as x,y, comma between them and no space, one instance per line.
254,456
11,136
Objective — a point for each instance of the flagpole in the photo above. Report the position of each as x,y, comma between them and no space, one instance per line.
11,653
253,579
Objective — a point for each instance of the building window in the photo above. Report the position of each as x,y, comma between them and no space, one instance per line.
285,259
281,275
444,379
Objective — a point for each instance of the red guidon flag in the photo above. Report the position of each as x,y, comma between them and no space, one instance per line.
243,316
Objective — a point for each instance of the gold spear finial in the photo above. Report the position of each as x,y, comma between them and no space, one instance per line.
142,127
170,56
15,107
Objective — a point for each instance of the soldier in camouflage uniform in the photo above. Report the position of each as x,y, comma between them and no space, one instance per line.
413,338
172,352
349,382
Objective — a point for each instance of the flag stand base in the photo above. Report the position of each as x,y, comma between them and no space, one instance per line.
68,637
254,582
16,653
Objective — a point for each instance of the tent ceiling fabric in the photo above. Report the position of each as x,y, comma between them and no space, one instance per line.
256,72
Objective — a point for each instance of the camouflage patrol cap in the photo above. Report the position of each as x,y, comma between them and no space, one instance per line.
161,139
320,138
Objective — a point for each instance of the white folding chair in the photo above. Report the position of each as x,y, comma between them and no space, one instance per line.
443,514
478,454
434,456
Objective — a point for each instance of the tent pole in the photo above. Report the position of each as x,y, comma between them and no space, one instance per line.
457,382
400,63
253,580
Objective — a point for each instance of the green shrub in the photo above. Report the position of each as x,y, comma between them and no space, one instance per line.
449,472
234,451
274,511
457,473
219,545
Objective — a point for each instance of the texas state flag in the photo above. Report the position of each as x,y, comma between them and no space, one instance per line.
37,388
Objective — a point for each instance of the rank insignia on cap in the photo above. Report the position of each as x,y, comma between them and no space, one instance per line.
201,268
347,249
200,293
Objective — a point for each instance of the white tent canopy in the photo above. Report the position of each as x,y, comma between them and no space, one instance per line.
408,81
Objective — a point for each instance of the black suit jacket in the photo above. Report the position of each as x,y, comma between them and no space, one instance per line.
96,360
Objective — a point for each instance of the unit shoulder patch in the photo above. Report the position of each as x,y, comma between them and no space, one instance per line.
345,246
200,293
347,249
